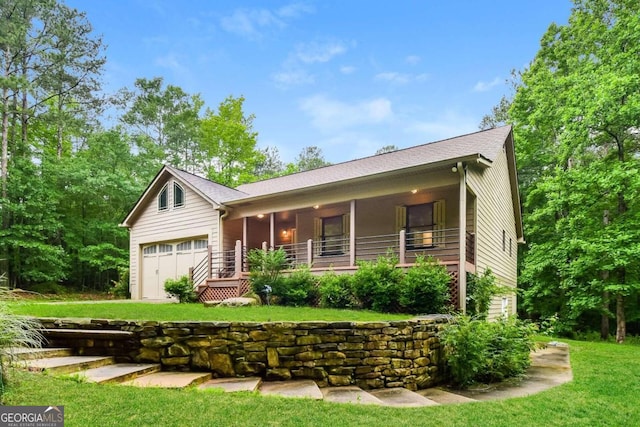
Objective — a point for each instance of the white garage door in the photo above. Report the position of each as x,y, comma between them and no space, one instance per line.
168,260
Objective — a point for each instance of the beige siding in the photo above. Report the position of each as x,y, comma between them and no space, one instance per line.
196,218
494,209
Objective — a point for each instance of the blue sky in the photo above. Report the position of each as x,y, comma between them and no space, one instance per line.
346,76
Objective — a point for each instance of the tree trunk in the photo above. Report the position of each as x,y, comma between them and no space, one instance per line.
4,158
604,319
621,325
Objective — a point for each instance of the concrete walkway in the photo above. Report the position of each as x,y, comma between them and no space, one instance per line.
550,367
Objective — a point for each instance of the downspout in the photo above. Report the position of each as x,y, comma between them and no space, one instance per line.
462,224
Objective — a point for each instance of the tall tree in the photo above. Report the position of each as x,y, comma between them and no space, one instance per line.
387,149
165,122
228,138
576,116
310,158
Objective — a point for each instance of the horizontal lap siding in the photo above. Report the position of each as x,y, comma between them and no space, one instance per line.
196,218
494,214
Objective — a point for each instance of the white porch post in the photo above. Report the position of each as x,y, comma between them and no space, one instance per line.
272,230
309,252
403,247
245,228
352,234
238,259
462,224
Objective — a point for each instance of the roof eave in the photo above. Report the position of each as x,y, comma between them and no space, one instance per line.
476,159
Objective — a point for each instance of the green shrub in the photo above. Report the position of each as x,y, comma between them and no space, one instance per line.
336,291
480,351
376,285
120,288
481,288
297,289
266,269
425,287
509,348
181,288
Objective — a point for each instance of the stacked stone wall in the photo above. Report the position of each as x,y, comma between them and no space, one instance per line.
368,354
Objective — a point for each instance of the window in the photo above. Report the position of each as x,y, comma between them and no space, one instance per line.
332,235
504,240
178,195
420,226
149,250
510,246
200,244
164,248
184,246
163,199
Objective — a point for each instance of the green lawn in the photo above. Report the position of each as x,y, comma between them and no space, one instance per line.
175,312
605,392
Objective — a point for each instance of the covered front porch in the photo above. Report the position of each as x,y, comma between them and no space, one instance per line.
325,234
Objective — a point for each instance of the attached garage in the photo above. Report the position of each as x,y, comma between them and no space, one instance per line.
170,228
169,260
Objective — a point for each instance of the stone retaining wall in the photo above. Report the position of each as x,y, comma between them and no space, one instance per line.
368,354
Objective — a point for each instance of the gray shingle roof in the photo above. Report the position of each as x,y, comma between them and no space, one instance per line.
214,191
487,144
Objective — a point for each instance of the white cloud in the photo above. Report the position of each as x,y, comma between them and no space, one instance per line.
330,114
310,53
347,69
293,71
251,23
412,59
446,125
173,63
486,86
401,78
292,78
295,10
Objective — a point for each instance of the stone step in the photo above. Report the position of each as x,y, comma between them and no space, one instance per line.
444,397
87,334
119,372
169,379
231,385
65,364
293,388
349,394
401,397
26,353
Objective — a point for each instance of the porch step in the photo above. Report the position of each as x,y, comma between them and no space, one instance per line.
231,385
64,364
169,379
25,353
118,373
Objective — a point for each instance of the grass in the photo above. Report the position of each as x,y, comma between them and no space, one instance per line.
195,312
604,392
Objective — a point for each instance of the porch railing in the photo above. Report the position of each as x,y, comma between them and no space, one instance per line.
407,247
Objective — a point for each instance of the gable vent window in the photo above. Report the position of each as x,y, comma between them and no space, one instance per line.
178,195
163,199
504,240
